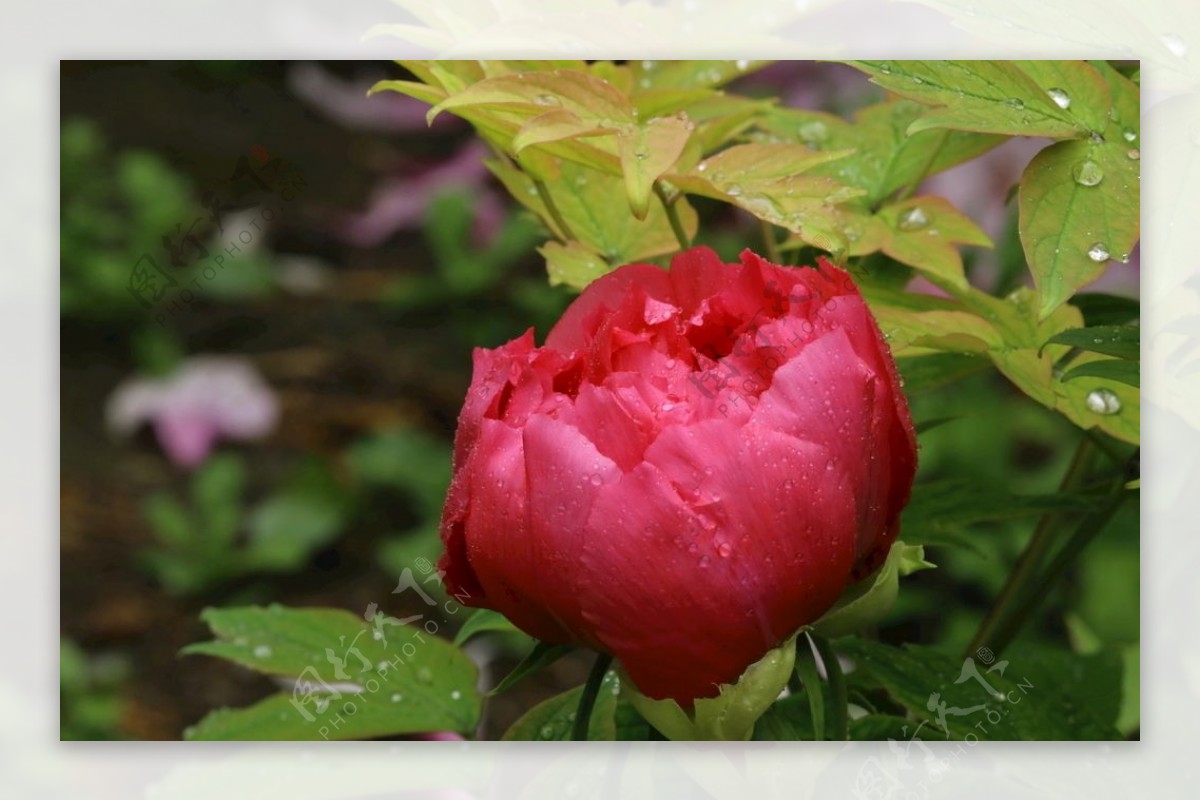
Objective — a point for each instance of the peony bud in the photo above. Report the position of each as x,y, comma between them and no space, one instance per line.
696,464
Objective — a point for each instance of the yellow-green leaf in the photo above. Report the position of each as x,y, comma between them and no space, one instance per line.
1079,204
572,264
647,151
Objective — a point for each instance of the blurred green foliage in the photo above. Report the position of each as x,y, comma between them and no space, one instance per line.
90,705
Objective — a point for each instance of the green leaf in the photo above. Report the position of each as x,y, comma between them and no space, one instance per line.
996,97
1078,204
553,718
406,459
1122,341
572,264
584,199
1102,309
788,719
886,157
767,181
586,96
922,232
287,527
1079,85
923,374
891,727
541,657
1034,375
1028,695
810,679
954,506
731,715
405,681
1125,372
484,620
219,481
867,602
170,521
647,151
689,74
554,125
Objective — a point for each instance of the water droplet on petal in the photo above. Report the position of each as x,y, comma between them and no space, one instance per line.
1098,252
1087,173
912,219
1060,98
1103,401
595,479
704,560
546,100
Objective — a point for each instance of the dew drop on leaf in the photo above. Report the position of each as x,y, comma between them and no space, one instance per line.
1098,252
1134,154
262,651
912,219
1087,173
1103,401
1129,134
813,133
1060,98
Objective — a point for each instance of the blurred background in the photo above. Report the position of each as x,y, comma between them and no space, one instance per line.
270,289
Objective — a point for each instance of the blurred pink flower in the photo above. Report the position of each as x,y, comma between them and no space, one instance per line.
346,103
206,398
399,203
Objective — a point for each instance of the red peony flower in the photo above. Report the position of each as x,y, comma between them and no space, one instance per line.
695,464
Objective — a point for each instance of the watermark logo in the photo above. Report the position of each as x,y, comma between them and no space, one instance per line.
906,777
155,282
354,680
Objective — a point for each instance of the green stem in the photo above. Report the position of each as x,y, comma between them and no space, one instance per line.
770,242
839,716
1087,530
583,714
555,214
1006,613
672,216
